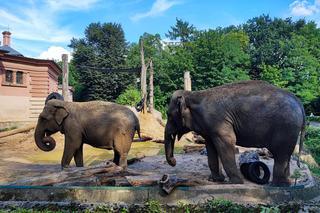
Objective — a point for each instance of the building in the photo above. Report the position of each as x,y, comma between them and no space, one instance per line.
24,84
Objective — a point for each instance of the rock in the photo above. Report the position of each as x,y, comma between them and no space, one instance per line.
248,157
204,152
198,139
264,153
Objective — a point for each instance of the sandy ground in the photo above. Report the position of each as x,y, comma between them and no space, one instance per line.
21,158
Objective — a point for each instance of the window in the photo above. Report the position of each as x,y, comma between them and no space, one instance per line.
9,76
14,78
19,77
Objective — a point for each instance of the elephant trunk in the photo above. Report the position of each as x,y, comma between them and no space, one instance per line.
169,146
45,143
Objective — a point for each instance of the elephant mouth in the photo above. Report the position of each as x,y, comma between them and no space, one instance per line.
48,133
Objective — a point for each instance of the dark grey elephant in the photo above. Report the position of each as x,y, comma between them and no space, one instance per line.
248,114
100,124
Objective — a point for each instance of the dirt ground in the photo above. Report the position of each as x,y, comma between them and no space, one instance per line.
21,158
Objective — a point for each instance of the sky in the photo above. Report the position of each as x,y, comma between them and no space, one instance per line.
44,28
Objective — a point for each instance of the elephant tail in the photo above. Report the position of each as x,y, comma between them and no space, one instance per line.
137,128
302,136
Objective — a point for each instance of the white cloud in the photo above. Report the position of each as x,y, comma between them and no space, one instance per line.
54,53
158,8
37,20
71,4
304,8
35,24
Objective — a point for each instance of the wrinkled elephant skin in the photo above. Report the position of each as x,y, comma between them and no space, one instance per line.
100,124
248,114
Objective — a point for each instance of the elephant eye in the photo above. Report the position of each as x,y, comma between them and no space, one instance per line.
43,118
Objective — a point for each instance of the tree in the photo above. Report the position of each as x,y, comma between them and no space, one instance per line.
182,30
266,37
219,59
104,46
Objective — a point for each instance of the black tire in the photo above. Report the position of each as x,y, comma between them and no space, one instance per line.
244,168
54,95
254,172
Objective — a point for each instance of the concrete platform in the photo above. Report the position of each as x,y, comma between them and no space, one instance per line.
139,195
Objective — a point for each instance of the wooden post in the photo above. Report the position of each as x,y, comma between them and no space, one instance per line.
143,76
151,107
187,81
65,77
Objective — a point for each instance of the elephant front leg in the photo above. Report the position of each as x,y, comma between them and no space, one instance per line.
71,145
214,163
78,157
225,145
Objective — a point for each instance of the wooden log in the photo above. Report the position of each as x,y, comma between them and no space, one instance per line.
151,107
71,175
138,158
16,131
193,148
157,179
143,180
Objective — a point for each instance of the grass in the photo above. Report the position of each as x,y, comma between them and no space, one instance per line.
177,150
154,206
8,128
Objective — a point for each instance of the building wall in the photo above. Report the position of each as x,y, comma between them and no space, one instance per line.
25,102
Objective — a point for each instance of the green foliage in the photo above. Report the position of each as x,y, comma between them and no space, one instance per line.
313,118
130,96
273,75
284,52
270,210
182,31
219,59
104,46
153,206
222,206
312,142
8,128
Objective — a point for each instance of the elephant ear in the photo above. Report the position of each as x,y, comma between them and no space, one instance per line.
185,112
60,115
61,112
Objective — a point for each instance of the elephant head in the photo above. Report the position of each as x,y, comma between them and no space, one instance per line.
49,122
178,123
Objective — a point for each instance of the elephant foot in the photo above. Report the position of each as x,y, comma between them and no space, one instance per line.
65,167
236,180
286,183
216,178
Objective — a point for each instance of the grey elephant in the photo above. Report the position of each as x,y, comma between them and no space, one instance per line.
100,124
248,114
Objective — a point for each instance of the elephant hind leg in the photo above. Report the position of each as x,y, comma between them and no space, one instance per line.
282,156
281,171
122,145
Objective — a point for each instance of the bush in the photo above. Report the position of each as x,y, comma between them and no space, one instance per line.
312,142
131,97
313,118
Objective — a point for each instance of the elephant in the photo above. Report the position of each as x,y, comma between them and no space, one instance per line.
100,124
246,113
